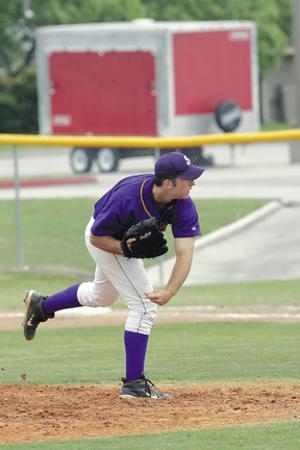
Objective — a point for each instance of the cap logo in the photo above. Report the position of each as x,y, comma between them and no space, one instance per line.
187,160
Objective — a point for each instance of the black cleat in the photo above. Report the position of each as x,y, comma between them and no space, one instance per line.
142,387
34,313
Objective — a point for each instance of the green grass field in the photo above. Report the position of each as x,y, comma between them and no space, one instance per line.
261,293
212,352
277,126
48,242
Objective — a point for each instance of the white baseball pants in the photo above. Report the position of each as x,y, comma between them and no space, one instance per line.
117,276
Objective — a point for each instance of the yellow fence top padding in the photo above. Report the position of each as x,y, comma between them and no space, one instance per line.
149,142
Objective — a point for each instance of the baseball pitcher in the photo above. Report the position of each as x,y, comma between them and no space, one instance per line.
127,225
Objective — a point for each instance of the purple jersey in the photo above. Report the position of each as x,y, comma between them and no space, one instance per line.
130,201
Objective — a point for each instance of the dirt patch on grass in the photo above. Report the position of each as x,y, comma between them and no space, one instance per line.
190,314
32,413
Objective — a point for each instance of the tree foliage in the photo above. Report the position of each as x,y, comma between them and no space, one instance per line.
18,103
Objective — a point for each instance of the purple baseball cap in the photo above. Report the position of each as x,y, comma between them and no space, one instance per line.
176,164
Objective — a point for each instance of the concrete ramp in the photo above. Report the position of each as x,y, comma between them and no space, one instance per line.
266,249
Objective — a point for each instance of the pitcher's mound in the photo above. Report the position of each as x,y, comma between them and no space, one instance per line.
31,413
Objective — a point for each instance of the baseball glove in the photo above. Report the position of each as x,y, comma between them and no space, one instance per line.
149,240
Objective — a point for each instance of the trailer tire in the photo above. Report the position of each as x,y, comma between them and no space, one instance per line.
81,159
108,159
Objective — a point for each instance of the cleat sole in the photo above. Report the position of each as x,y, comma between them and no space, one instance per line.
27,301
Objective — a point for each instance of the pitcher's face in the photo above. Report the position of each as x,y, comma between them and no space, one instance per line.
182,188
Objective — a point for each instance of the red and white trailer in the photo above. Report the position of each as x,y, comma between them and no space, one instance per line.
144,78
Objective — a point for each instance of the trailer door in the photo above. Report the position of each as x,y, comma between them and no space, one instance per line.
210,67
103,93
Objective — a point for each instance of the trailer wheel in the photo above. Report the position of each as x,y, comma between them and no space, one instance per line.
108,159
81,159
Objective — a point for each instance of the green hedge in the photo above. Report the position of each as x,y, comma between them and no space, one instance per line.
18,103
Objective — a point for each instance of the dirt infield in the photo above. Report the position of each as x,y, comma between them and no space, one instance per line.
290,314
31,413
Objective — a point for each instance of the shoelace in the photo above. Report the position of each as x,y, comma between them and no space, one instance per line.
147,381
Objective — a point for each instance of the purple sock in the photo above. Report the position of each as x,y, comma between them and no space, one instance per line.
62,300
135,347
